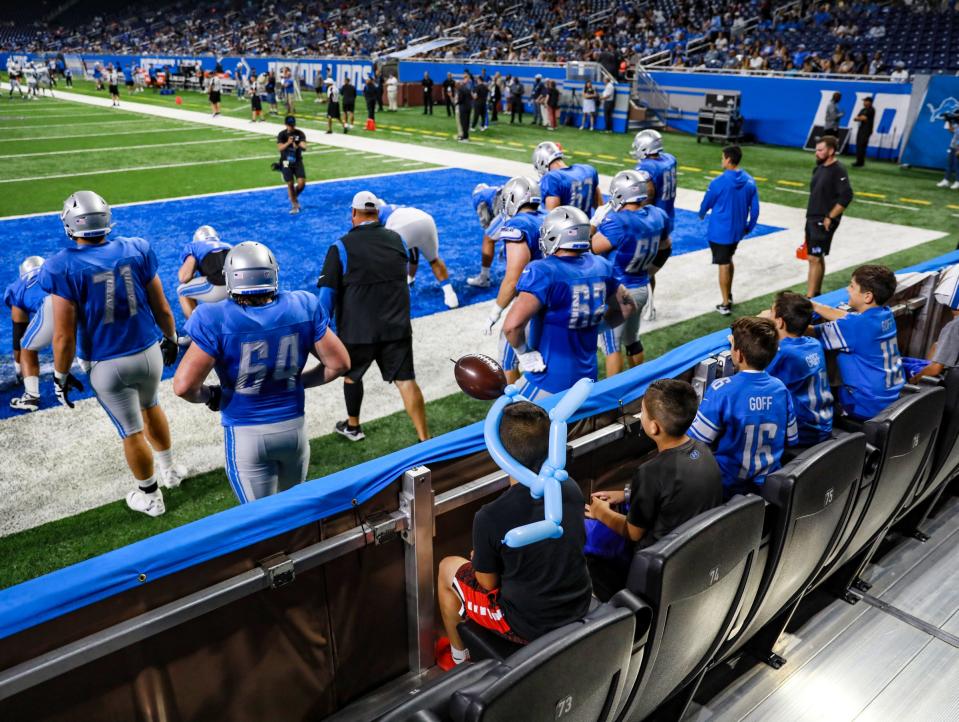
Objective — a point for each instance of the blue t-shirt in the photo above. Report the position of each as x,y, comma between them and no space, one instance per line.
801,366
662,171
524,227
25,293
260,353
574,186
201,249
748,420
635,237
573,292
108,283
869,360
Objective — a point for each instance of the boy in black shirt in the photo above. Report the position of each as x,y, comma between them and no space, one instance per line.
291,142
683,480
521,593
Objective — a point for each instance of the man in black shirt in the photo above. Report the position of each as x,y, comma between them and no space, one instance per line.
464,104
829,195
449,94
516,91
680,482
480,101
364,287
427,94
348,94
370,94
866,120
520,593
291,142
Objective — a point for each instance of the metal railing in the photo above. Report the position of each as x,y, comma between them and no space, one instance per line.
770,73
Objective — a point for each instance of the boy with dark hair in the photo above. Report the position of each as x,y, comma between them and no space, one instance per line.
747,419
801,366
523,593
869,360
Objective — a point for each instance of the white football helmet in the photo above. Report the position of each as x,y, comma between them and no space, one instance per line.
544,154
628,186
249,269
30,265
205,233
564,228
518,192
86,215
646,143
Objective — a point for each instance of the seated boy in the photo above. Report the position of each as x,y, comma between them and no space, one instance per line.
680,482
869,360
522,593
945,352
747,419
801,365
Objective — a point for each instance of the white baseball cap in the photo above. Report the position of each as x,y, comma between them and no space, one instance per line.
328,81
365,201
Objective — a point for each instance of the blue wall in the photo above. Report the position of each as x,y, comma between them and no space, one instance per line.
929,142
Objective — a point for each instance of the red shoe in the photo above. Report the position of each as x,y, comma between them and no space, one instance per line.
443,654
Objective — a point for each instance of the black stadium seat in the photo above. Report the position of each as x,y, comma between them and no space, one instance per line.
431,702
810,500
693,578
945,457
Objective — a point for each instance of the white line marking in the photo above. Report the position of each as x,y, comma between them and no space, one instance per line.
71,115
131,147
139,168
141,121
117,132
887,205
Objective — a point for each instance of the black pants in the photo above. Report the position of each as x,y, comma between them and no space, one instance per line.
379,99
608,114
464,118
370,109
862,140
497,99
479,113
428,103
516,110
449,106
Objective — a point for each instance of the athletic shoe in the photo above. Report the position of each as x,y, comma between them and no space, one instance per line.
942,184
478,281
449,297
724,309
294,210
172,477
329,132
443,654
27,402
955,186
149,504
353,433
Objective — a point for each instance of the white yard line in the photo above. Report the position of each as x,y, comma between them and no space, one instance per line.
64,115
136,168
130,147
177,129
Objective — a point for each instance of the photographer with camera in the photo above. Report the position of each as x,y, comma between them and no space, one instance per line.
291,142
951,178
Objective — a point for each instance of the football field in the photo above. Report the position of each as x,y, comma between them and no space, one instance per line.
169,168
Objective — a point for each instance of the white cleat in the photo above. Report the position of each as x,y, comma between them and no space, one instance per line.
955,186
479,281
450,299
942,184
149,504
172,477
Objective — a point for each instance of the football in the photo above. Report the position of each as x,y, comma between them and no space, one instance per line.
480,376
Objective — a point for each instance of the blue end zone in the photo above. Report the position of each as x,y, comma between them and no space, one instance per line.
299,242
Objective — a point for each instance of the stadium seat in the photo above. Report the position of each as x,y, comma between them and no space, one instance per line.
945,457
809,502
431,702
694,579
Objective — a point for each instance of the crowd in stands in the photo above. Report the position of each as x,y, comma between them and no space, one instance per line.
834,37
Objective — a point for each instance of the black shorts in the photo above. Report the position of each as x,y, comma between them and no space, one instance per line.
818,239
294,171
394,359
256,103
214,96
114,90
722,252
333,110
348,107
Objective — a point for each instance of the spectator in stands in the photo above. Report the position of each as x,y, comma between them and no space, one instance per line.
589,107
900,74
427,84
370,93
516,91
801,365
833,116
944,354
523,593
747,419
869,360
830,193
732,201
866,118
348,94
608,98
449,94
876,64
952,159
681,481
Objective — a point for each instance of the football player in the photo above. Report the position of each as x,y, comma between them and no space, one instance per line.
31,310
565,185
488,204
520,234
418,231
258,342
107,305
565,297
201,270
635,237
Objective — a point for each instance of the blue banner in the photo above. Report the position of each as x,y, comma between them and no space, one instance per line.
782,110
929,142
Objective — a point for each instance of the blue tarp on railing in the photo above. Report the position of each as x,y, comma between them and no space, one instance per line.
44,598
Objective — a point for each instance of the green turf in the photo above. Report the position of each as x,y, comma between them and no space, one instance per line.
56,544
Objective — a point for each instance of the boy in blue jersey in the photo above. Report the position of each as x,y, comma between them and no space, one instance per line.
801,365
734,201
487,202
747,419
201,270
869,360
258,343
661,166
565,297
108,303
564,185
31,311
635,237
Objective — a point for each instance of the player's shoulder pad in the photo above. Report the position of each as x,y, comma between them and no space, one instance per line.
719,383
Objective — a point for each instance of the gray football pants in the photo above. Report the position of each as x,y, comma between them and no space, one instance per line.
262,459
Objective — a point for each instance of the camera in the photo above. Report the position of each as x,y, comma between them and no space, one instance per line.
275,166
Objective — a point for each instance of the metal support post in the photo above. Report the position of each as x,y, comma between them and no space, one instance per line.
416,501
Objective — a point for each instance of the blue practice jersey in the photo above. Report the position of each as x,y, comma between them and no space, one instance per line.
869,360
25,293
635,237
524,227
574,185
662,171
801,366
386,211
748,420
260,353
200,250
108,283
483,201
573,292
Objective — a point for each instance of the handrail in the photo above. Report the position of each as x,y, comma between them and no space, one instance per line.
771,73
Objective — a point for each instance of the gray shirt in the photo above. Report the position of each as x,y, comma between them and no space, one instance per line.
833,115
947,345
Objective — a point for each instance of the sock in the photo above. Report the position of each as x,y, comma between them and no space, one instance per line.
32,385
459,655
484,273
17,369
353,393
163,459
148,486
